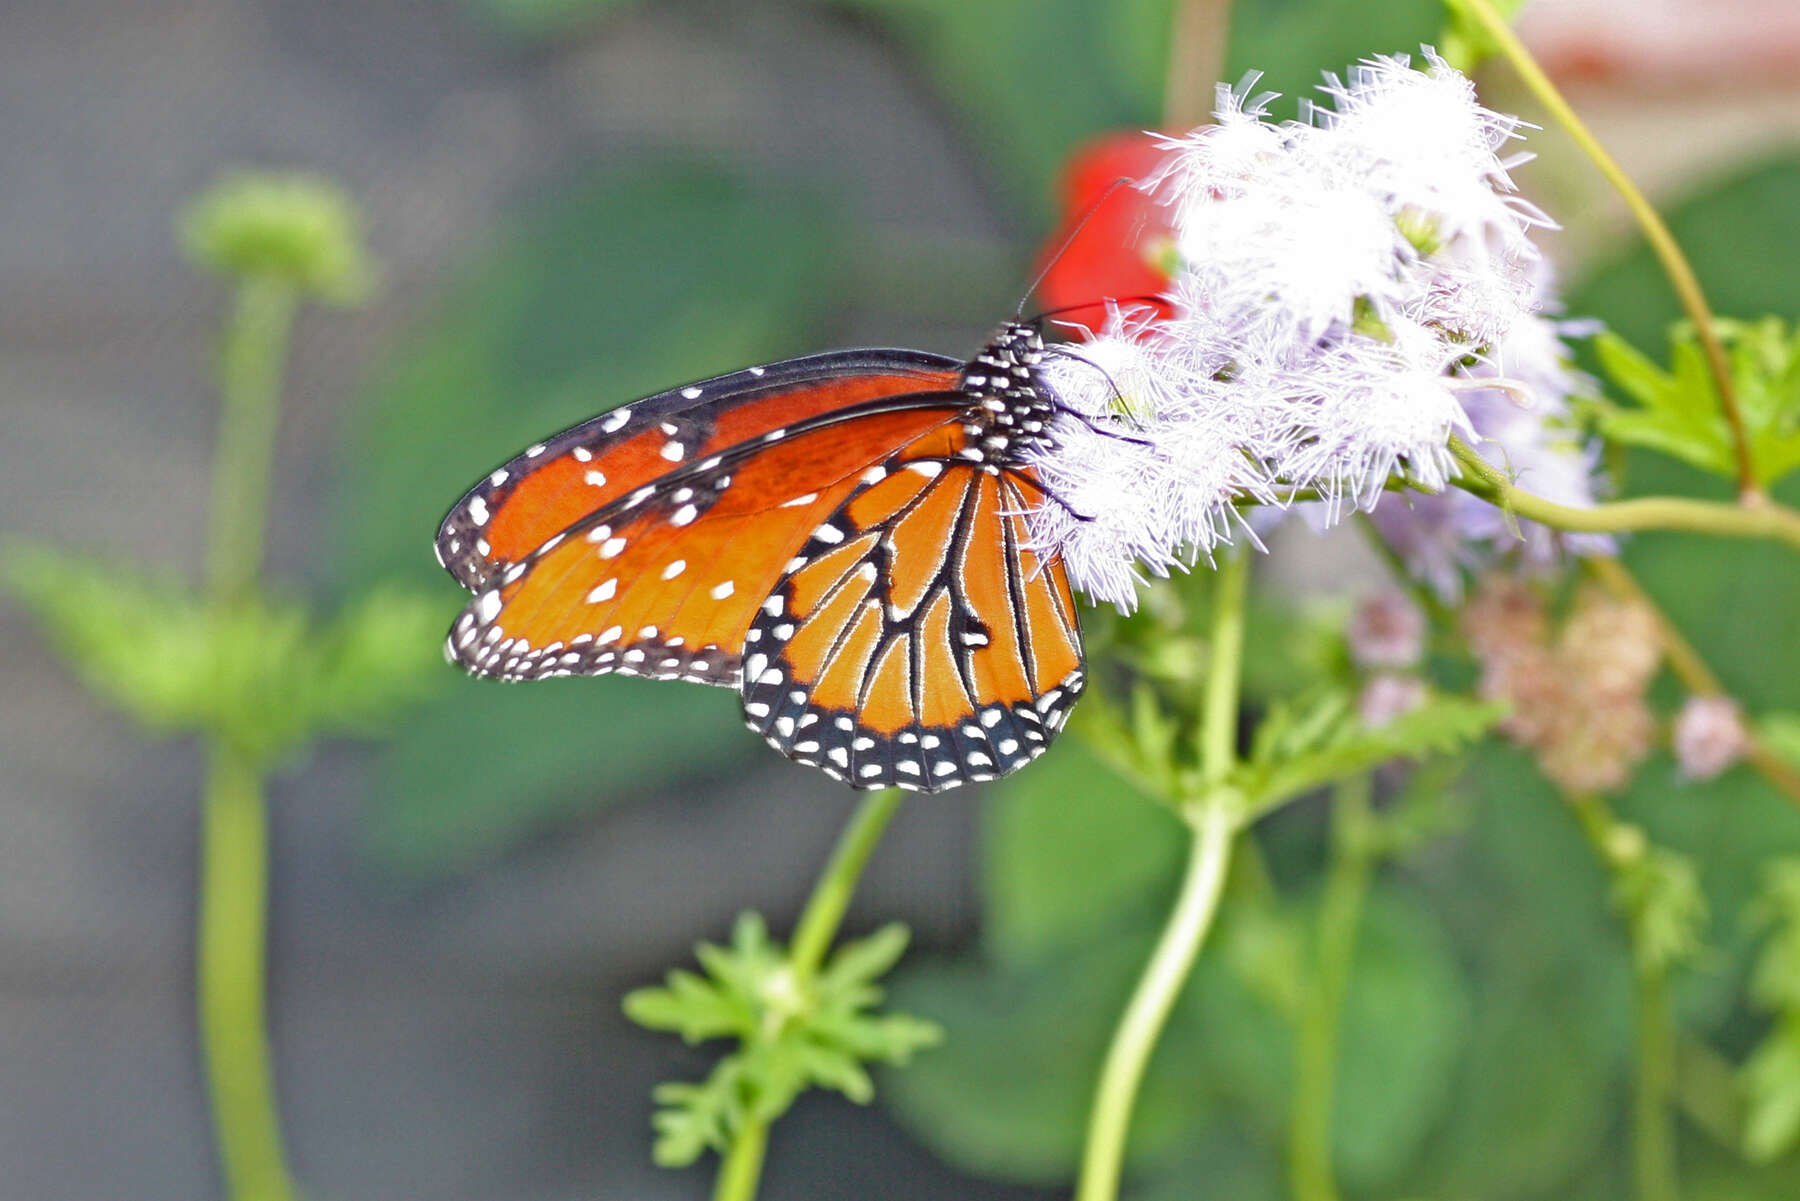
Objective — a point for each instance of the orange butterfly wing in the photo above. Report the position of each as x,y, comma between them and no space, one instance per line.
644,540
918,642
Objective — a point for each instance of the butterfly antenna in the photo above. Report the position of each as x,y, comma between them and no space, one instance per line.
1117,395
1063,249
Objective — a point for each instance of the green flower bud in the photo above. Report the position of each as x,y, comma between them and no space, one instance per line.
286,226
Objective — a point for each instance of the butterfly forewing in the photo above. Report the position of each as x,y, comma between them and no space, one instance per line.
918,641
664,580
556,483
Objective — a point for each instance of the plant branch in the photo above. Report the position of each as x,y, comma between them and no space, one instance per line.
1765,520
250,365
740,1170
1662,242
1142,1024
231,966
234,842
824,912
1213,817
1196,61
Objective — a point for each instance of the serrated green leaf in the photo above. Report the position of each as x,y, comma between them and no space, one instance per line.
865,959
258,675
1313,743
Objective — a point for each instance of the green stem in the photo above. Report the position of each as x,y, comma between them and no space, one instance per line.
234,824
740,1170
1224,668
1176,950
1653,1117
250,364
231,967
824,911
1213,817
1662,242
1340,917
1764,520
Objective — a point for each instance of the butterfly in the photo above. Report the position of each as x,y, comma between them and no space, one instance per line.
840,537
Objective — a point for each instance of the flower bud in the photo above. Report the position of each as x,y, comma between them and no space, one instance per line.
1387,630
1709,736
292,227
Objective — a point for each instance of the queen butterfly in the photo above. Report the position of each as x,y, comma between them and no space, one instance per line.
841,537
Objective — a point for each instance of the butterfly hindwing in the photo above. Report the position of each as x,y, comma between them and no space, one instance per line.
917,640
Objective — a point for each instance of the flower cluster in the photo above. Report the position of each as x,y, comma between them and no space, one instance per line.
1340,287
1577,696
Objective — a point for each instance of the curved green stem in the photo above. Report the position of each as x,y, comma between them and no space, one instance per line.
740,1171
1765,519
824,911
1662,242
1213,815
1176,950
1340,918
230,955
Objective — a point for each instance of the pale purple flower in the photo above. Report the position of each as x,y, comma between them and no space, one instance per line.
1709,736
1386,630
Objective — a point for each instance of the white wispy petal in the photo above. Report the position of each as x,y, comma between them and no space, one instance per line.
1336,277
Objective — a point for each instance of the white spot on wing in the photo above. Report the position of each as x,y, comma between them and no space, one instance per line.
603,592
691,393
616,419
721,591
478,511
674,569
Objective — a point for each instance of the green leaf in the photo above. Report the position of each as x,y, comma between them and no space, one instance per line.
259,675
624,286
1070,855
1658,891
1771,1086
1677,412
1033,78
143,646
1401,1042
1306,744
1007,1096
791,1037
1291,43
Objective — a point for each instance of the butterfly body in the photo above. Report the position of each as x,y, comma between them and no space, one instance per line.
840,537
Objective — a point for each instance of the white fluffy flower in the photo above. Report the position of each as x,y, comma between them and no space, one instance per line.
1336,277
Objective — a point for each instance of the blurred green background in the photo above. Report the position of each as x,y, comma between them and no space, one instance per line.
574,202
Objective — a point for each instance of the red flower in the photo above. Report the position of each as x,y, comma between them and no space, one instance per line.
1121,252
